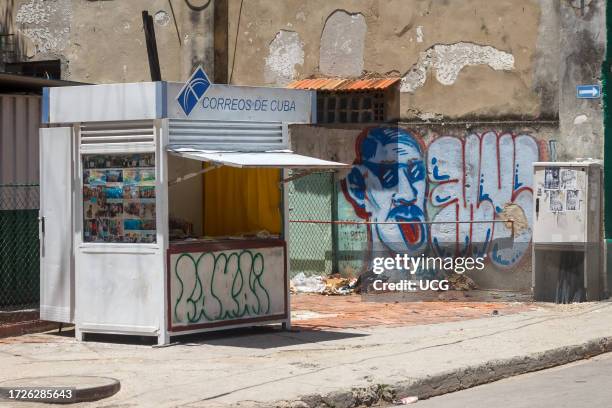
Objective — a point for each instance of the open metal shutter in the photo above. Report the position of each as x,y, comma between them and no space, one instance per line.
278,159
229,136
125,136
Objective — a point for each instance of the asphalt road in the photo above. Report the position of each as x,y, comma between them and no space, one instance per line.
587,383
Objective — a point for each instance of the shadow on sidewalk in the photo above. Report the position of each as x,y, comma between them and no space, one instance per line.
262,337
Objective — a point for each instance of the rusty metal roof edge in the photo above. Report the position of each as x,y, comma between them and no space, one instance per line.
344,84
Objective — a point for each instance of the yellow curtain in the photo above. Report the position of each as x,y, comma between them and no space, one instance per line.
241,201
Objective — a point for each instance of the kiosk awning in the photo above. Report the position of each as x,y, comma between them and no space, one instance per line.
271,159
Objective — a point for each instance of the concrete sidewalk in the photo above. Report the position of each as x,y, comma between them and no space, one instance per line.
333,367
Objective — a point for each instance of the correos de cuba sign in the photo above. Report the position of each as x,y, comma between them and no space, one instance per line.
199,99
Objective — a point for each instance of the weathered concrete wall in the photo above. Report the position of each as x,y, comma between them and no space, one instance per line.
499,79
458,59
583,36
444,174
103,41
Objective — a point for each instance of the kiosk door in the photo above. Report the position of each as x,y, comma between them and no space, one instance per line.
56,257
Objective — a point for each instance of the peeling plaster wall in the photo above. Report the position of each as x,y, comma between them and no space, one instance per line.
103,41
582,36
447,61
342,44
45,24
480,79
285,52
464,59
547,59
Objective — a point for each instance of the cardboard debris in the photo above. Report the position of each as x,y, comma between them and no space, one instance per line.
337,285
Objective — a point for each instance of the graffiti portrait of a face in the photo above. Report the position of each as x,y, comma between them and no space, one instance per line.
388,184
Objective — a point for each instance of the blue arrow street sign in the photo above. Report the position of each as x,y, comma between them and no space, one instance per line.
588,91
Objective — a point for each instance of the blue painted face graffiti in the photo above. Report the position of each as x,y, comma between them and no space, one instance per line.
389,173
388,184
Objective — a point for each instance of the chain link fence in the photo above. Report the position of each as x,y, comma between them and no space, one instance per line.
317,246
311,197
19,253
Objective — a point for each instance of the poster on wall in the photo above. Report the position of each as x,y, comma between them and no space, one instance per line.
119,198
568,179
556,201
551,178
562,189
572,200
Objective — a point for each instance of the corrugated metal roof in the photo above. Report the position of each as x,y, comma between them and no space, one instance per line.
343,84
19,123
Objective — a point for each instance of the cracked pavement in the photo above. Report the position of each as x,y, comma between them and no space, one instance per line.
267,365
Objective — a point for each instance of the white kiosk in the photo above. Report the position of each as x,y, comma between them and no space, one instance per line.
113,159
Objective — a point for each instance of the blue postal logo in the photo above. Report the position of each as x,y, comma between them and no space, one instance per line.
193,90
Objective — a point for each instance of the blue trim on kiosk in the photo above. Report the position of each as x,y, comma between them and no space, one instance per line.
45,105
313,108
161,108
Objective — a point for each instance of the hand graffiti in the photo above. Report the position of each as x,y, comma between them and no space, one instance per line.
482,178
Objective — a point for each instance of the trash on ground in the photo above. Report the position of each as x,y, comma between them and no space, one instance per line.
459,281
301,283
338,285
331,285
406,400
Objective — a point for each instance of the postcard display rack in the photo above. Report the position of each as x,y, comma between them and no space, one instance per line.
107,262
119,198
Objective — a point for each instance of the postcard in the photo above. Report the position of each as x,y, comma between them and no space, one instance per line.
132,224
97,177
114,176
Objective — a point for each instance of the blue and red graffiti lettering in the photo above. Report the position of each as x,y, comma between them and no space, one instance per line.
460,184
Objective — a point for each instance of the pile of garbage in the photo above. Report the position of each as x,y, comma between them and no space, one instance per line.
326,285
337,284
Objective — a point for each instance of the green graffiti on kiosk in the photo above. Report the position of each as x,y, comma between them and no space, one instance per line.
239,293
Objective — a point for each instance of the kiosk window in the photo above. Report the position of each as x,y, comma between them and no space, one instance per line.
119,198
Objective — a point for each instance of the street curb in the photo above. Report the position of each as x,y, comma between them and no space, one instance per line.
27,327
450,381
91,394
81,394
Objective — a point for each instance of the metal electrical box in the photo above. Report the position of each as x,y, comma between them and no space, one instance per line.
568,255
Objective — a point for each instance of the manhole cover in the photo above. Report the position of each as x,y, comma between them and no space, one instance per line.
62,389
